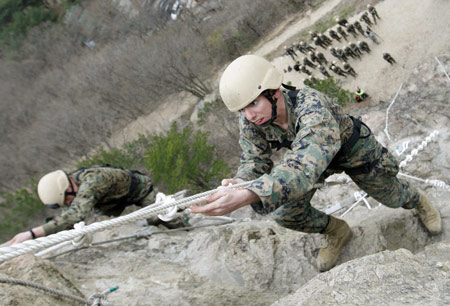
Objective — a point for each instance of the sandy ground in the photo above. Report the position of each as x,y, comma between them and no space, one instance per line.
412,31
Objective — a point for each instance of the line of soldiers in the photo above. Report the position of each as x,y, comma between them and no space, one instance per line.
313,58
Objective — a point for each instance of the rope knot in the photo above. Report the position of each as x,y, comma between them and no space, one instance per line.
83,239
162,199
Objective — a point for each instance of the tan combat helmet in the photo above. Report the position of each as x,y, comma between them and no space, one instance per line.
52,188
245,79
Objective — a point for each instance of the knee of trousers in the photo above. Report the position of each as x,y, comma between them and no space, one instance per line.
302,222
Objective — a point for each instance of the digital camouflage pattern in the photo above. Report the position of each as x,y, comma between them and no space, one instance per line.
317,127
101,189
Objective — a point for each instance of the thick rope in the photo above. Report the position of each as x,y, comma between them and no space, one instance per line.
141,234
15,281
420,147
434,183
386,130
28,246
443,68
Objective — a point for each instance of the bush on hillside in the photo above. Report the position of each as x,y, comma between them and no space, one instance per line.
17,17
331,87
17,209
183,160
129,156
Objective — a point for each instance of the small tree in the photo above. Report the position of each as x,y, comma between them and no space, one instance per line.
182,160
332,89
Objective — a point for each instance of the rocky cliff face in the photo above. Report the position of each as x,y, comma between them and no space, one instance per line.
391,260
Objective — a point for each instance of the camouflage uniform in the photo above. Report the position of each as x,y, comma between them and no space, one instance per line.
317,128
103,189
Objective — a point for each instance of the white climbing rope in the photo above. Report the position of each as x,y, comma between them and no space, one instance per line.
434,183
443,68
76,242
40,243
386,130
359,196
420,147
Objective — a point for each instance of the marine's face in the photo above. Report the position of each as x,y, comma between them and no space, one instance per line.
259,111
69,197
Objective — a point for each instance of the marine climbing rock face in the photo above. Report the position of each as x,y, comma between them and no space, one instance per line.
245,79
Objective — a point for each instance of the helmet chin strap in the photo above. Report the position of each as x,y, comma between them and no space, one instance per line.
73,189
268,94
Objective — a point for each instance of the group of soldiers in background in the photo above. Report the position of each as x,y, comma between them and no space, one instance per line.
313,58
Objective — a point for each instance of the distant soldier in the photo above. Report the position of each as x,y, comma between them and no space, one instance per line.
349,52
358,27
305,70
310,81
333,52
364,46
348,69
290,51
325,39
334,35
342,32
289,68
297,66
389,58
308,47
318,42
351,29
341,54
324,71
341,21
365,18
321,58
313,57
337,70
374,12
355,49
313,34
371,35
360,95
301,48
307,62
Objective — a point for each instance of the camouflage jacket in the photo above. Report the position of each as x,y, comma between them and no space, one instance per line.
316,126
99,188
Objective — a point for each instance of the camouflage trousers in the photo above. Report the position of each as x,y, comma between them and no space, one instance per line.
380,183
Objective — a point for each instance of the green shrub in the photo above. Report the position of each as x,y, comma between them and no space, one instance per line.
183,160
19,16
332,89
206,108
18,209
130,156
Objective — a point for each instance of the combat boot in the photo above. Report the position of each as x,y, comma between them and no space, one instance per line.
429,215
338,233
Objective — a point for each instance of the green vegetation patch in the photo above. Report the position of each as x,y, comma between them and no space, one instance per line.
17,17
331,87
184,160
18,208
